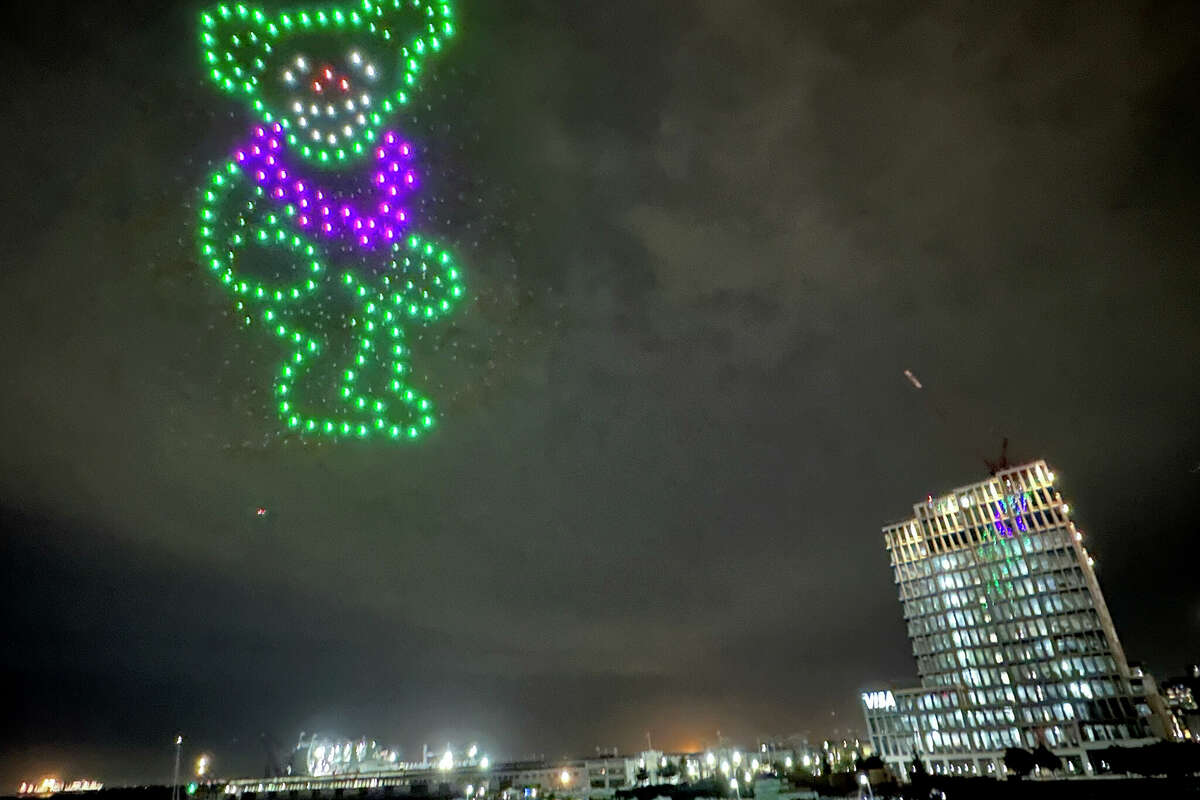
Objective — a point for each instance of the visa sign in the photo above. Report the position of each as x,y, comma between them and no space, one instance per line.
878,700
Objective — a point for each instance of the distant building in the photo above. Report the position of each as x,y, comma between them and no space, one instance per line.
533,779
1143,685
1182,698
1013,641
606,774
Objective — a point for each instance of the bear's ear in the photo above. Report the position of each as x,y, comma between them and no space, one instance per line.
232,40
419,27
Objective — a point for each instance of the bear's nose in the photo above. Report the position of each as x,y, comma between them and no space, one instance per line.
329,80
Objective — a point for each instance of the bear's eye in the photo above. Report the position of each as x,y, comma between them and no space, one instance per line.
362,64
296,71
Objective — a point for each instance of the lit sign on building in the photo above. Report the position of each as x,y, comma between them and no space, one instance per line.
878,700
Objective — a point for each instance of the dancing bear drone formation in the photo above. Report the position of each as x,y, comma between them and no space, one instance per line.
321,178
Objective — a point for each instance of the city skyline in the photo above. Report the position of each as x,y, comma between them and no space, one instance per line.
741,282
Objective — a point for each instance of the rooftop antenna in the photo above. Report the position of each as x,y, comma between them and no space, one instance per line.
1000,464
993,466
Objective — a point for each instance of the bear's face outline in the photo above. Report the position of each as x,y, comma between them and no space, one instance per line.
295,67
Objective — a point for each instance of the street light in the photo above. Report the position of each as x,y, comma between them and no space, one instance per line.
175,776
865,783
733,784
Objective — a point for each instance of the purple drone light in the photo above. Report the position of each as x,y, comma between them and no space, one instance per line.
318,208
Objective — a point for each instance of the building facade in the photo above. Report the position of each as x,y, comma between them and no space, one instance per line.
1013,641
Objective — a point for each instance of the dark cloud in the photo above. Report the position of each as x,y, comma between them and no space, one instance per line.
704,242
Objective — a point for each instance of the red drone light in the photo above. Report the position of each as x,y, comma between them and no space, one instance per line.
327,75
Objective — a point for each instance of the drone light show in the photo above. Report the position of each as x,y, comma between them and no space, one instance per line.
309,225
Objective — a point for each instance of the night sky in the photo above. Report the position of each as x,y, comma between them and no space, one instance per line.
703,241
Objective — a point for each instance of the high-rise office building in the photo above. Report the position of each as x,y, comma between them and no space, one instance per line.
1013,641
